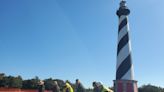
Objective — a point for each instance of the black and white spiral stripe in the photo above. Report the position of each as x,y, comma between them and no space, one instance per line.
124,60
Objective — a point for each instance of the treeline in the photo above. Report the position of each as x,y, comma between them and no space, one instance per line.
150,88
18,82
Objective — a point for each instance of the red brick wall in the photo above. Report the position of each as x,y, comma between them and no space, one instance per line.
18,90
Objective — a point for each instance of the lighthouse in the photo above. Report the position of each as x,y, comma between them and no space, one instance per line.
124,68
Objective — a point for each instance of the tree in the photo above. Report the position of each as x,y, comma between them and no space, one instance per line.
150,88
31,83
15,82
10,81
2,75
89,90
49,84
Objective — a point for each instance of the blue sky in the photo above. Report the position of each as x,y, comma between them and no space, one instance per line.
69,39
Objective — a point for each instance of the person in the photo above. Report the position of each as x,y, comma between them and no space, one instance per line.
79,87
41,87
67,88
104,89
95,87
56,87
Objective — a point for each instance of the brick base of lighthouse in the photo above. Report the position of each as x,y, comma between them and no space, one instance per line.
125,86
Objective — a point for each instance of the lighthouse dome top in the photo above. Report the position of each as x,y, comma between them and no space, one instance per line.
123,9
123,3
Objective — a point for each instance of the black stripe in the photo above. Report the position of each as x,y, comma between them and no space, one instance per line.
124,40
124,67
122,24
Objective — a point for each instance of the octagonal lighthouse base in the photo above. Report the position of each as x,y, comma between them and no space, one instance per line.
125,86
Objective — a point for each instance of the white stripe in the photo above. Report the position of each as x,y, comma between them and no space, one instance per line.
121,18
122,32
129,75
130,48
124,52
